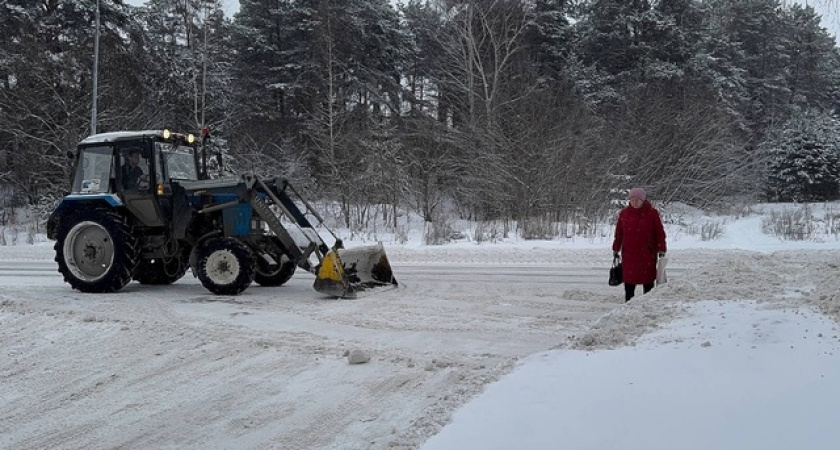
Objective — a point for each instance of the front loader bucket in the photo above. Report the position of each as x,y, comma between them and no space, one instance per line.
344,272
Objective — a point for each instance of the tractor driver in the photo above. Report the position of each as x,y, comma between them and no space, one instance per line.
132,173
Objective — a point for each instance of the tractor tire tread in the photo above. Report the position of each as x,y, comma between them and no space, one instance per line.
241,252
124,244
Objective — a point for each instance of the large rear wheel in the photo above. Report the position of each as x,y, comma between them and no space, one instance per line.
96,251
225,266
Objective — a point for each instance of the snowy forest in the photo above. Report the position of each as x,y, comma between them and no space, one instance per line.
535,110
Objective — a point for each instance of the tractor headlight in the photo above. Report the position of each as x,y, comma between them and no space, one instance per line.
190,138
167,134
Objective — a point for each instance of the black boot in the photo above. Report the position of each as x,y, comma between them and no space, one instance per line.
629,291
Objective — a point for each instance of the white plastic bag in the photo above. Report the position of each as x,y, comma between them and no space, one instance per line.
661,276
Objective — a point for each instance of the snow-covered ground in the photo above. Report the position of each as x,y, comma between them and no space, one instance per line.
518,344
727,375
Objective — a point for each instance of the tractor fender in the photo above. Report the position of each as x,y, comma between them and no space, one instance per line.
73,203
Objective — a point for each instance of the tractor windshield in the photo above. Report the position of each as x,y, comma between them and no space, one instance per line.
179,162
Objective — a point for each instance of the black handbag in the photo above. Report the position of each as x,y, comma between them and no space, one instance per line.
615,272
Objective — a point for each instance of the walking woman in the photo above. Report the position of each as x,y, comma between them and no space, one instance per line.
640,237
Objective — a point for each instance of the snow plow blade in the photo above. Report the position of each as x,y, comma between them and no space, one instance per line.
345,272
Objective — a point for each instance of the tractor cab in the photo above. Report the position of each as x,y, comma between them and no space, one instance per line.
135,169
124,161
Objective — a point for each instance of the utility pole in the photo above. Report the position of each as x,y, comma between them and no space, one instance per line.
95,73
204,68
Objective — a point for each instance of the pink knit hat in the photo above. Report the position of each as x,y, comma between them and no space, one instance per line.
638,193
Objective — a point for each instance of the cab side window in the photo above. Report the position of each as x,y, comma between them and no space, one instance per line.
96,171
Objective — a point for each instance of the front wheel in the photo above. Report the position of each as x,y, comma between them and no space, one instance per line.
274,274
225,266
96,251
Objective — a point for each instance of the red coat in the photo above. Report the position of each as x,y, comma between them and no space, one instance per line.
639,235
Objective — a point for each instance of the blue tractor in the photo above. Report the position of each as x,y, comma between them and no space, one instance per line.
142,208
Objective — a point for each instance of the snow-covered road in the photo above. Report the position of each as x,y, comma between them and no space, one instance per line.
177,367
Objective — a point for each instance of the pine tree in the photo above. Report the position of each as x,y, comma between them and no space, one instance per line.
549,37
45,84
756,27
813,59
803,159
188,64
423,24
